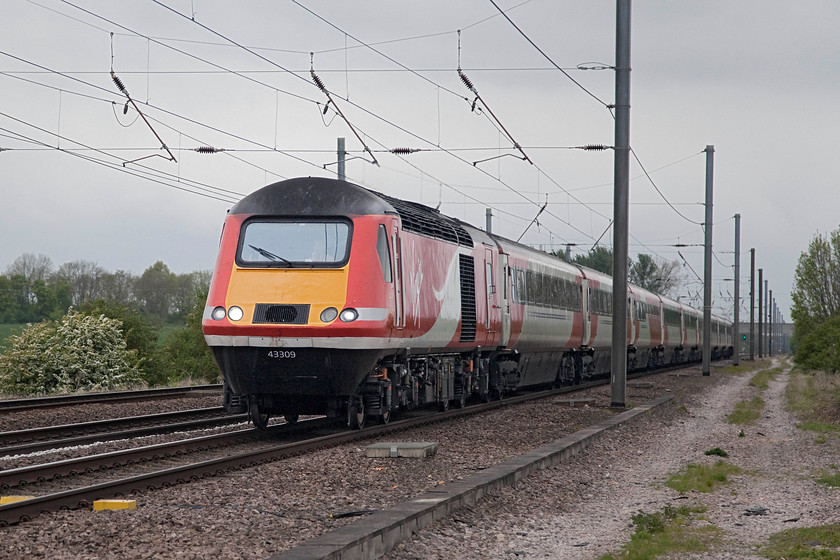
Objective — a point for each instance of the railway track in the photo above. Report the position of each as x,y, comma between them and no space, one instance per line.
112,396
21,442
57,491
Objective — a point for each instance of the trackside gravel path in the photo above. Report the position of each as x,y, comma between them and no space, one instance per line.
582,509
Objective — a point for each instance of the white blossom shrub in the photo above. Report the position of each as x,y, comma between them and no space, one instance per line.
75,353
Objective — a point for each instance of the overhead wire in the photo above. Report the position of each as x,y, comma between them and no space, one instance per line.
176,115
142,173
287,70
220,35
548,58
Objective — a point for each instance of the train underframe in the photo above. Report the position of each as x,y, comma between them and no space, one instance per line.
302,381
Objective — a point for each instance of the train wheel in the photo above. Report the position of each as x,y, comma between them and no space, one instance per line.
385,417
259,418
443,405
461,399
291,418
356,414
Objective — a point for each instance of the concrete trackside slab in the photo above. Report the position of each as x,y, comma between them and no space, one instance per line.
376,534
402,449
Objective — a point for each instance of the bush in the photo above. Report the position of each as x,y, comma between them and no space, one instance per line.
75,353
185,352
819,349
139,335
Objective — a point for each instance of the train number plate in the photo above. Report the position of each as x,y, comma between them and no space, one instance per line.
282,354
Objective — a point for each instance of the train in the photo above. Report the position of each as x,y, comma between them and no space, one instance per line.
331,299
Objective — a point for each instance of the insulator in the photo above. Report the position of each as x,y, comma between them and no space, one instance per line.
466,80
318,81
596,147
118,83
404,151
208,150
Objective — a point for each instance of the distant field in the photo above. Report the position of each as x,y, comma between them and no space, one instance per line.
7,330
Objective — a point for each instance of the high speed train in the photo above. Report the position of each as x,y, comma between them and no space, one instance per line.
328,298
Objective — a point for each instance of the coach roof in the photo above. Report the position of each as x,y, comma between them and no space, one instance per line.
312,196
317,196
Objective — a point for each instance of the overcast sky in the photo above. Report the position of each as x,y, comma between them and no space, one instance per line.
84,177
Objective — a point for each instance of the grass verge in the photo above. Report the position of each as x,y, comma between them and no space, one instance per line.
762,379
821,543
702,478
747,366
665,532
829,478
746,412
815,399
7,330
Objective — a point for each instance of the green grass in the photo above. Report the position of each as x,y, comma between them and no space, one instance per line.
762,379
829,478
666,532
819,427
746,412
7,330
717,451
815,399
747,366
702,478
817,543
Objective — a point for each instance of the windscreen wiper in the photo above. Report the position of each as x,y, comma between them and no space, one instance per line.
270,255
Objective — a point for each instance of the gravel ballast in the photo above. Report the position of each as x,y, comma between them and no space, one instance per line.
578,510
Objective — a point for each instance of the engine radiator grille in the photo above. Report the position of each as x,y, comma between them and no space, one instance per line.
288,314
467,265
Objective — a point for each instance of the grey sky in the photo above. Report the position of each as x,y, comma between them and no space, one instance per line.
756,79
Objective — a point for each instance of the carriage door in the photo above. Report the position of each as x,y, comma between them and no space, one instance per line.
587,323
490,285
399,310
504,280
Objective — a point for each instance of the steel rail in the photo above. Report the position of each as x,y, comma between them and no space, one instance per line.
32,447
65,430
112,396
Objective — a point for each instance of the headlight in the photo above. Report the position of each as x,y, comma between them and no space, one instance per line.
218,313
349,315
329,314
235,313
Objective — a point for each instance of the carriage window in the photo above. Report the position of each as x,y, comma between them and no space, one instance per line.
290,244
384,254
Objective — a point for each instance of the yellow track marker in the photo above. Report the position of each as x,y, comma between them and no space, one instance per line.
101,505
12,499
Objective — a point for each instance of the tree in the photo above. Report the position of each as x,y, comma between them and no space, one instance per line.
657,275
155,290
118,287
83,278
599,258
816,291
14,299
819,349
186,351
184,294
32,267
